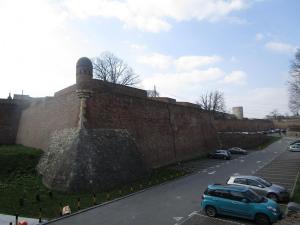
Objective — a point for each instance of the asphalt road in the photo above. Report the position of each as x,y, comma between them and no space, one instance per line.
169,203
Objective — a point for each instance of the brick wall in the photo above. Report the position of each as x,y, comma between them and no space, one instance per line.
164,132
44,116
9,118
243,125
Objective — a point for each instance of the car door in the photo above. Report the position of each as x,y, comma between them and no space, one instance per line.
224,202
240,208
257,187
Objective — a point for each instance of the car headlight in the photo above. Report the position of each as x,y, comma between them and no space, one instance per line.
272,209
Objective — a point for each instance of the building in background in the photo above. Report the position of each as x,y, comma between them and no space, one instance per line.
238,112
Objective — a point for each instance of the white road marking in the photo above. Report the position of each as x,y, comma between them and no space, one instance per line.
193,213
212,172
177,218
235,174
258,161
242,160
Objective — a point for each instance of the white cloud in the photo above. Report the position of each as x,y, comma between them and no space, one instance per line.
183,63
182,81
156,60
280,47
259,102
235,77
154,15
138,46
191,62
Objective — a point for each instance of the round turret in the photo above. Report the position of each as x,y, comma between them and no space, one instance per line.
84,70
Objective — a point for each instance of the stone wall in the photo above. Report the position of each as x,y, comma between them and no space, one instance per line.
9,119
44,116
225,125
249,141
164,132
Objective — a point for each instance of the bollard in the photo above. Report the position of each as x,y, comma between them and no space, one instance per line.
78,204
40,215
17,217
131,189
10,223
94,199
107,197
120,192
50,194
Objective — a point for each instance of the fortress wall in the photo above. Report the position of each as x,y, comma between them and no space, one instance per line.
164,132
225,125
9,119
44,116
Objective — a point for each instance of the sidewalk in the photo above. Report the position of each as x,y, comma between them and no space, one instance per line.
6,219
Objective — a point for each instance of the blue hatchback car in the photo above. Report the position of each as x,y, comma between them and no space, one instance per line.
233,200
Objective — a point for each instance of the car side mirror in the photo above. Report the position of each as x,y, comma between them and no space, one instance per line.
244,200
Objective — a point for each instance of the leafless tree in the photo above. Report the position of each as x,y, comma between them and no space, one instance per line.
212,101
110,68
153,93
294,85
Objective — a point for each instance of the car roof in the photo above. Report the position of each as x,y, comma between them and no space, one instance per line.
244,176
229,187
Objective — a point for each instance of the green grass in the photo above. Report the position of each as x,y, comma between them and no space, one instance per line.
20,183
269,142
296,195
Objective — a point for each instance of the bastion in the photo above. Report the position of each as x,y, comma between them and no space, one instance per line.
96,134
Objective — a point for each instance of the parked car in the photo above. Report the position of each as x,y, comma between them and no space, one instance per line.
220,154
295,142
294,147
261,186
239,201
237,150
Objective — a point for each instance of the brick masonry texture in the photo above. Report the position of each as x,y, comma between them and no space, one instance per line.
45,116
9,118
164,132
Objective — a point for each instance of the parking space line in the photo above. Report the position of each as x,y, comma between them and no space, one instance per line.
212,172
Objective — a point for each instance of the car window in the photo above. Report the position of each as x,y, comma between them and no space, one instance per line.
236,196
222,194
253,183
240,181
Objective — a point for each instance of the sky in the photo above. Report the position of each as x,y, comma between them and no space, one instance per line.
185,48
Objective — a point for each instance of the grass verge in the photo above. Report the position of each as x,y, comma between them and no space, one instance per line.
22,191
296,194
269,142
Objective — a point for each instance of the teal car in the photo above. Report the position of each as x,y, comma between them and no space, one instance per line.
237,201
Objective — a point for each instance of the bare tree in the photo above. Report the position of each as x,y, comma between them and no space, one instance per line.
294,85
153,93
110,68
212,101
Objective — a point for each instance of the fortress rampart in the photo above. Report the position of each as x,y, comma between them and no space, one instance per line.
165,131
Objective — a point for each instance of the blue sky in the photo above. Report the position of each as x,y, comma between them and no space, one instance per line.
184,47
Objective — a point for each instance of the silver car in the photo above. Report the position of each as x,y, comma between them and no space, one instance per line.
294,147
261,186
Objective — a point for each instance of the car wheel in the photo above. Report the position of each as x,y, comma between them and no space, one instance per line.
262,219
273,196
210,211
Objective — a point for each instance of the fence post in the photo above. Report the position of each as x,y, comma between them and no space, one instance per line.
17,217
40,215
78,203
94,199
